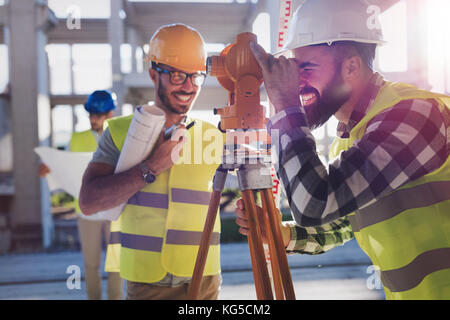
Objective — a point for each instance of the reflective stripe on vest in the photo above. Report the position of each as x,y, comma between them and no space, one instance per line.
148,243
161,201
409,276
406,233
135,241
401,200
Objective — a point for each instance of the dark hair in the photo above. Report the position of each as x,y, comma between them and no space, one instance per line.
344,49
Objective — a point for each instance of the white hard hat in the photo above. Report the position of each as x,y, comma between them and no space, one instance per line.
328,21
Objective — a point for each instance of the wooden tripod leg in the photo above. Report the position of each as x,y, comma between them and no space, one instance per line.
278,286
194,286
279,246
255,266
260,273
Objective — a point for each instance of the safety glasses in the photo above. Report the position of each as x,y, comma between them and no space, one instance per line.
179,77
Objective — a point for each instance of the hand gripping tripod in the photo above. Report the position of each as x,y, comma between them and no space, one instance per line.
247,150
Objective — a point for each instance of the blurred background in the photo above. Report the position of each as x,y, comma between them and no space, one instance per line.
53,53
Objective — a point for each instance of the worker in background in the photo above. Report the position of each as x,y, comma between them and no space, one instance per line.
158,233
388,180
93,230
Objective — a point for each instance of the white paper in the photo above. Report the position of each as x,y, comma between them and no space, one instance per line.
145,128
66,168
66,171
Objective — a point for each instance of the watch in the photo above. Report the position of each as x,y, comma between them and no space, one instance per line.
147,175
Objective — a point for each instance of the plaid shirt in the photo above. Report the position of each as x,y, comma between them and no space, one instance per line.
401,144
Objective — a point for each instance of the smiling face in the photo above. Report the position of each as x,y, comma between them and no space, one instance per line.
176,99
322,89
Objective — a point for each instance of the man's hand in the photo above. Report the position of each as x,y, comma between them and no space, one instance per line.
281,78
102,189
242,222
43,170
166,152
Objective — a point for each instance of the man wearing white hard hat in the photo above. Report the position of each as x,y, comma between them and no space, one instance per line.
388,179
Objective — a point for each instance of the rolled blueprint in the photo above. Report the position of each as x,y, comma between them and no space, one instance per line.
145,128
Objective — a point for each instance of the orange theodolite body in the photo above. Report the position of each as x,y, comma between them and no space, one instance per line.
238,72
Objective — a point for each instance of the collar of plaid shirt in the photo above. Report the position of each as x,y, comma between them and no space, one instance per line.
362,106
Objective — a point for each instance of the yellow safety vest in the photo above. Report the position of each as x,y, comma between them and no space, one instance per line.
160,229
406,234
83,141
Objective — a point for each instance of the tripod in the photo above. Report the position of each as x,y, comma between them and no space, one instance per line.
248,151
254,177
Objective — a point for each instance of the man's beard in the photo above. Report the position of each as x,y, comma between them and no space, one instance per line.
164,97
335,94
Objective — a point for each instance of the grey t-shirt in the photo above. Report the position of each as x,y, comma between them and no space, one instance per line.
108,153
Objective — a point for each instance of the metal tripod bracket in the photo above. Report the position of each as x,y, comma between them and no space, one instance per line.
254,177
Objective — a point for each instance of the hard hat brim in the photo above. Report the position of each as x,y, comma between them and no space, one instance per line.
176,66
329,42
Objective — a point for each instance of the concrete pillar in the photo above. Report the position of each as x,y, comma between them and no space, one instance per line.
133,40
30,115
116,38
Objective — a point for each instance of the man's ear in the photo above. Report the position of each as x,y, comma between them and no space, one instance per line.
153,74
352,68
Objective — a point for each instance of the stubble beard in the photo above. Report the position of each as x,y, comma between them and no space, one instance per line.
164,98
333,97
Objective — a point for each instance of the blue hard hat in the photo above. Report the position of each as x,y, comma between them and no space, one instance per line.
100,101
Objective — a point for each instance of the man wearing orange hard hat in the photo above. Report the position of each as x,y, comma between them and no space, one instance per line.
155,241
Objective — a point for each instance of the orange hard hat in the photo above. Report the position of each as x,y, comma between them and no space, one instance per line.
179,46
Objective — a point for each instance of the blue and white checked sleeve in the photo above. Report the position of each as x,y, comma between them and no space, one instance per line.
400,145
